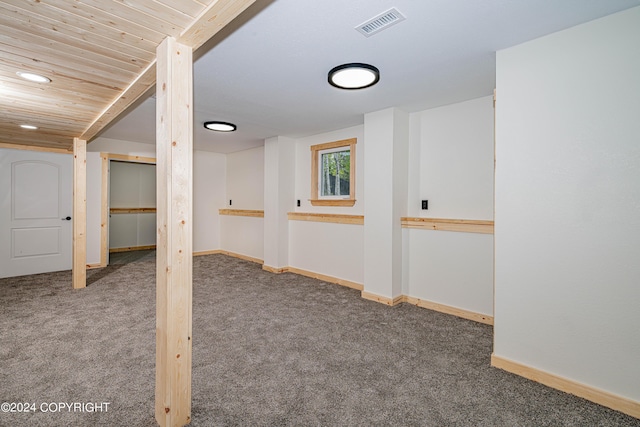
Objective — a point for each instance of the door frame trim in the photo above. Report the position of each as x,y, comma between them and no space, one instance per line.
104,203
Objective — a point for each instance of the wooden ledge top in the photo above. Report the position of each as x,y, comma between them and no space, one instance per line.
242,212
444,224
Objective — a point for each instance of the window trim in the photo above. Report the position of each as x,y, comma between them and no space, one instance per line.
315,170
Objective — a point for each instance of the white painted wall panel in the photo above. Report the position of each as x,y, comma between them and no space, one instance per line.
568,204
456,161
245,179
452,268
209,188
454,145
332,249
123,231
245,186
242,235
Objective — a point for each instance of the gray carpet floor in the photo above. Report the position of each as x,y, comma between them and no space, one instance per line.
268,350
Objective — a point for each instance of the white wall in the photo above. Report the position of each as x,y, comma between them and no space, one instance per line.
245,179
385,163
568,204
242,235
209,193
451,268
279,188
327,248
245,186
332,249
451,166
454,145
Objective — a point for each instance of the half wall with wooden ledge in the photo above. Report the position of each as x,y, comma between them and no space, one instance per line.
449,265
242,232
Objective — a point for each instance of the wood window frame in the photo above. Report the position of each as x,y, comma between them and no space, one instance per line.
315,168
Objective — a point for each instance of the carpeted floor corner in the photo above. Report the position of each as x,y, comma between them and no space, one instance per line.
268,350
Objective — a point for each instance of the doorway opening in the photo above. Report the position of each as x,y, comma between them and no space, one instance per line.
128,226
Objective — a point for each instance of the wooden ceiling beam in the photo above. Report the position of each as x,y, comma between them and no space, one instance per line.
215,17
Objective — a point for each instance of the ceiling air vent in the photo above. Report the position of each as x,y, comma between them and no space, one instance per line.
380,22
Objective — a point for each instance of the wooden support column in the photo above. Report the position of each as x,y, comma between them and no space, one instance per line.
79,264
174,148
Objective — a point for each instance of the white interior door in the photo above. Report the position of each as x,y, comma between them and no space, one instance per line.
36,190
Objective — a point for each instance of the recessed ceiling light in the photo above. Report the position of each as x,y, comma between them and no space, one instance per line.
354,76
32,77
220,126
31,127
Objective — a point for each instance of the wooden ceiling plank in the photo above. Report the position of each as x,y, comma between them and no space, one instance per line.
51,109
62,78
130,95
218,14
44,24
104,73
127,14
160,10
53,126
38,140
56,125
192,8
92,19
12,87
66,47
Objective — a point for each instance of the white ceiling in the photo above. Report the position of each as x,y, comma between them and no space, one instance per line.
269,76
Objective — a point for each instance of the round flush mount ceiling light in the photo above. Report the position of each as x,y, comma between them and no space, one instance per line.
32,77
30,127
354,76
220,126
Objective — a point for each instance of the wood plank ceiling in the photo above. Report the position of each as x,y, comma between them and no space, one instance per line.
99,54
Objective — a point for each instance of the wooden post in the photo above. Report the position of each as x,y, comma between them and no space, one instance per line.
174,148
79,264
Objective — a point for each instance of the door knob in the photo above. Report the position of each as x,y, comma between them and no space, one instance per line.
66,219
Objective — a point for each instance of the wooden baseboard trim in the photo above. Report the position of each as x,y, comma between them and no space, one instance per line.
229,253
211,252
274,270
241,256
601,397
459,312
383,300
325,278
92,266
132,248
465,314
